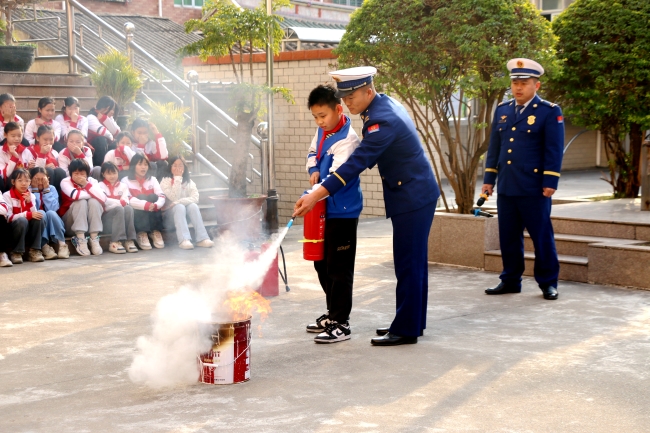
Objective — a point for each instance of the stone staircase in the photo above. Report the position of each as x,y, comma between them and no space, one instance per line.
601,252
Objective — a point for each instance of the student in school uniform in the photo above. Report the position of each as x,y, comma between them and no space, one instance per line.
69,118
27,224
118,195
102,128
122,154
47,202
154,148
75,149
10,154
5,234
8,114
46,112
41,154
147,200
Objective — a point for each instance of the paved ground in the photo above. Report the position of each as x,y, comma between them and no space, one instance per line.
513,363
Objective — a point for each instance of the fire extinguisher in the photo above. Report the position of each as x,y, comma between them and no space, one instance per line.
314,243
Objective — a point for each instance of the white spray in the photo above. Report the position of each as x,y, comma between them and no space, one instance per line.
169,355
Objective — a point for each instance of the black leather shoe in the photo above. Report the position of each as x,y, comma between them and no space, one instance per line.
503,288
392,340
384,331
550,293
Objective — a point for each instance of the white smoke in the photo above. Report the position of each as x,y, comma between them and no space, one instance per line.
168,356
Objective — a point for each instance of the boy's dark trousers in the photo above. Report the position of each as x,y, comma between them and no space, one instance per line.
336,270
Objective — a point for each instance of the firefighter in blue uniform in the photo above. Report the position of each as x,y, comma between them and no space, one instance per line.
391,142
525,157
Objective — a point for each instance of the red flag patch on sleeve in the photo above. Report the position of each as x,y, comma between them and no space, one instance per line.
373,128
560,119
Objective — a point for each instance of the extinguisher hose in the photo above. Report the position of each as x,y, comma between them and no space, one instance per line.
284,276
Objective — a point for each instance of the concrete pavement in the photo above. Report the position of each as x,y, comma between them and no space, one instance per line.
513,363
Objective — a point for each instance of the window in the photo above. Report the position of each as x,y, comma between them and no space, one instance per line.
552,8
189,3
355,3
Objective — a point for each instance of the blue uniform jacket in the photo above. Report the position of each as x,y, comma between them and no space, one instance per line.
50,199
391,142
525,155
349,201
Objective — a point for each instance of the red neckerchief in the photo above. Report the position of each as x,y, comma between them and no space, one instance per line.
16,195
70,156
45,122
141,182
111,188
122,156
2,119
5,149
48,157
336,129
67,119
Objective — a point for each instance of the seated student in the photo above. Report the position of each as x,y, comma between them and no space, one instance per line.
47,202
27,224
102,128
118,195
82,206
181,202
5,234
8,114
147,200
122,154
10,154
75,149
42,155
71,119
155,149
45,116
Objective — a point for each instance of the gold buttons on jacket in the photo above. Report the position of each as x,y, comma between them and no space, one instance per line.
512,139
535,170
399,182
509,162
514,128
529,131
509,150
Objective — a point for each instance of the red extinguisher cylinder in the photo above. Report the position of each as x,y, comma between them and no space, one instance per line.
314,243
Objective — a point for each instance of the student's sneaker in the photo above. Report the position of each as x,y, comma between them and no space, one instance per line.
48,252
334,333
95,248
143,241
81,245
4,261
205,243
64,251
130,247
320,324
117,248
35,255
16,258
186,245
157,239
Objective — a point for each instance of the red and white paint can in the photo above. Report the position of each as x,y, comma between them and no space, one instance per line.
229,360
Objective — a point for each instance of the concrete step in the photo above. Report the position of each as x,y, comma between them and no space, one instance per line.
576,245
31,78
572,268
30,103
205,193
608,229
206,180
55,90
208,212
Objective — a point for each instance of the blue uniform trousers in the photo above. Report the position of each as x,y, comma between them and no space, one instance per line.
533,214
410,255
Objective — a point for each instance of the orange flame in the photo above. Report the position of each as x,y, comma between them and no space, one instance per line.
241,304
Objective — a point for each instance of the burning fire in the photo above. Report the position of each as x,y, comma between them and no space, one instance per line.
241,304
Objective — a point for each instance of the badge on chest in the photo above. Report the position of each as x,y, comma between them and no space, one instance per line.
531,120
503,119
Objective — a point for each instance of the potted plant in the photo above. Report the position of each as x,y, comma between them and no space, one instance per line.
14,58
233,31
116,77
170,120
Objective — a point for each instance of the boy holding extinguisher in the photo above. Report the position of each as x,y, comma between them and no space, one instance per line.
334,142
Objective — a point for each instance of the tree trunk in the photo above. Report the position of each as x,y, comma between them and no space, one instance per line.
237,180
636,140
9,27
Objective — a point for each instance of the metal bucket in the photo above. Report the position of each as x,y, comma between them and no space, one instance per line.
228,361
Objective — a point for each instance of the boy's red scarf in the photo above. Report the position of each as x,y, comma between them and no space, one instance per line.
326,134
48,157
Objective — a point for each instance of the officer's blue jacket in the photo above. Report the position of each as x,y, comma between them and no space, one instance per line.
391,142
525,155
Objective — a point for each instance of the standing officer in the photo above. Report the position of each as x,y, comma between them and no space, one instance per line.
391,142
526,149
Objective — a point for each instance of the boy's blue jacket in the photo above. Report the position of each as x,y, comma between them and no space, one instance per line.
336,149
50,199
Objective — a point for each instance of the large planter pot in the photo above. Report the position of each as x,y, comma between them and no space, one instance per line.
240,216
16,58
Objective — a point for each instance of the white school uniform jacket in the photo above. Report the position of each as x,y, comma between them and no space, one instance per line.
17,208
101,125
4,121
155,150
71,192
117,195
32,154
31,128
148,186
8,162
67,124
121,157
66,157
4,207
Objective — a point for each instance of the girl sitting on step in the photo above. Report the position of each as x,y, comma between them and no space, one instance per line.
10,153
182,202
75,149
122,154
8,114
71,119
154,148
46,111
42,155
47,201
118,195
147,199
102,128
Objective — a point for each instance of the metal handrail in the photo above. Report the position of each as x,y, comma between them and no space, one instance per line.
573,139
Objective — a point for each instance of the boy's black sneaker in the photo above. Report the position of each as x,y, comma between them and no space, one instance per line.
320,325
334,333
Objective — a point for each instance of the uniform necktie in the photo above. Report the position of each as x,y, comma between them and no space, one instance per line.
518,110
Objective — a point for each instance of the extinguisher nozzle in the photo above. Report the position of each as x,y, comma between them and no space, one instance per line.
290,223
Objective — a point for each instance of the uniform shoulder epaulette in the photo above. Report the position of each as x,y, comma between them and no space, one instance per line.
545,102
505,102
